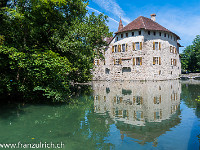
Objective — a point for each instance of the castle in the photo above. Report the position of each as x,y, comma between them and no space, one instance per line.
142,50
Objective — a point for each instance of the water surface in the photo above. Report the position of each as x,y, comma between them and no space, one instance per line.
116,115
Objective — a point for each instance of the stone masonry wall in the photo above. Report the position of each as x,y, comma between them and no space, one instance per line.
147,71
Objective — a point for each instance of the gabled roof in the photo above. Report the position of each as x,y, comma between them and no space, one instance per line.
144,23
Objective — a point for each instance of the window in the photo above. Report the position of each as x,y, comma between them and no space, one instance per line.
171,49
117,38
165,35
175,52
121,35
174,62
126,34
168,35
139,32
160,33
156,45
118,100
117,61
139,61
119,48
171,61
137,46
116,48
156,61
107,90
154,33
132,33
171,36
123,47
157,115
138,115
139,100
97,97
157,100
174,39
107,71
96,62
126,92
126,69
149,32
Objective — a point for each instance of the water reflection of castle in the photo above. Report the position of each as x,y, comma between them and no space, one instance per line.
140,105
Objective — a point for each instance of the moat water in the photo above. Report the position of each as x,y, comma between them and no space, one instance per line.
115,115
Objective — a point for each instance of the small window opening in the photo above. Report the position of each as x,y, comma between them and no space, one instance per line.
126,69
107,71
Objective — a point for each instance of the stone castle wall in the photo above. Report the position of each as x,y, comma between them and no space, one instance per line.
168,67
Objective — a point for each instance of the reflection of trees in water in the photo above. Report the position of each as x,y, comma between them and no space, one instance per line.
141,110
75,125
190,92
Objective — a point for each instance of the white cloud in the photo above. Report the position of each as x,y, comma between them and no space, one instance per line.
112,7
184,23
101,12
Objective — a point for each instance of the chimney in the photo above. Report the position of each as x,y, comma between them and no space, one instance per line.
153,17
120,25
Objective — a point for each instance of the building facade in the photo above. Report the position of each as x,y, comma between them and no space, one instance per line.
142,50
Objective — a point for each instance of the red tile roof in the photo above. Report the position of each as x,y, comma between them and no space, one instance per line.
144,23
108,39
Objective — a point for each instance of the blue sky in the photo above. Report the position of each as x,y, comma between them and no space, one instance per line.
179,16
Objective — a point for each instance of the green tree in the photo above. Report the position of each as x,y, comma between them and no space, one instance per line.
47,44
190,58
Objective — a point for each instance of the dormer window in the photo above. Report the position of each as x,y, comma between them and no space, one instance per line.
139,32
126,34
121,35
